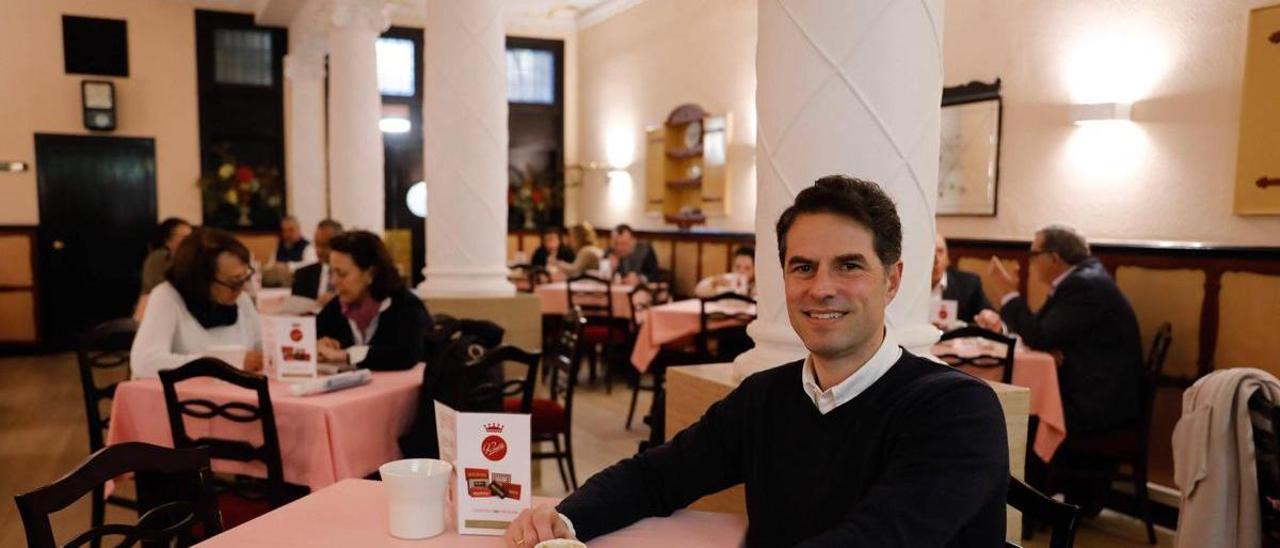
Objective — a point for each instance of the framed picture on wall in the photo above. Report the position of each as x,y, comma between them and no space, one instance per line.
969,158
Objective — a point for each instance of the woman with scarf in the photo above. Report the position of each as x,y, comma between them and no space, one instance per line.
375,323
200,309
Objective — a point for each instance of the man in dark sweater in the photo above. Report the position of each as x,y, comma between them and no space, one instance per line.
860,444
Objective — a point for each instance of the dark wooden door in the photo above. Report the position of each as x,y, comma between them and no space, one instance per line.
97,207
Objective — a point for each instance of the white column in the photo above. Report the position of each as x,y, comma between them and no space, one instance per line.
356,185
305,131
846,87
465,156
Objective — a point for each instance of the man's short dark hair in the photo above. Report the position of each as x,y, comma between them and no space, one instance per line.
745,251
862,201
368,252
623,229
330,224
1066,241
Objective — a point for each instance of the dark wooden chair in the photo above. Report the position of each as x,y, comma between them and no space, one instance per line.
1127,446
1034,505
105,348
1264,417
641,299
722,344
176,500
551,418
983,361
485,387
244,498
604,333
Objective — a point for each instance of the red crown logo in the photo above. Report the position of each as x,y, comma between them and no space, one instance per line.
493,428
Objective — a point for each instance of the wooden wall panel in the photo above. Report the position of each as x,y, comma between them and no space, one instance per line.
400,245
1173,296
262,245
980,267
686,272
662,248
1249,322
15,260
17,317
714,258
513,245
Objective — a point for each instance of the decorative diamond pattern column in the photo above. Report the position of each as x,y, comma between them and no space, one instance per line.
356,184
465,156
304,68
846,87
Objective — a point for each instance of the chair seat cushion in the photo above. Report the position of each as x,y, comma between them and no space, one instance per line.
599,334
236,509
548,416
1113,444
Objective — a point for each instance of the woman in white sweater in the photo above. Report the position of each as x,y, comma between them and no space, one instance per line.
201,309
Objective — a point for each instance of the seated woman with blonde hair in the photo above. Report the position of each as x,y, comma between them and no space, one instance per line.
741,276
587,252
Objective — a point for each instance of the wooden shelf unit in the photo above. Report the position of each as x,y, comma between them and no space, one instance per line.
686,168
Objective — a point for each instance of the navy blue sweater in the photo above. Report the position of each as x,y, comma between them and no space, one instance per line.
918,459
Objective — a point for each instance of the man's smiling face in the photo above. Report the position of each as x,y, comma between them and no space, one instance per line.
836,286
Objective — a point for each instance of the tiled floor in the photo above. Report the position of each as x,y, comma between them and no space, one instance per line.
42,436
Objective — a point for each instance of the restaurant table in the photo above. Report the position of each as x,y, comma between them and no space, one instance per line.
555,298
673,321
1032,369
354,513
324,438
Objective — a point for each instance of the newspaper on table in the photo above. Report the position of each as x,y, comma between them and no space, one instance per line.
491,460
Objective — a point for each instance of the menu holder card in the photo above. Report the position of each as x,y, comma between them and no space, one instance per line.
943,311
289,347
491,463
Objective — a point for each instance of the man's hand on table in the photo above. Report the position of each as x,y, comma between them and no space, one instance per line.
990,320
535,525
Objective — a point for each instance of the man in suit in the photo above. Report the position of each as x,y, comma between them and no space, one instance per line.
633,259
1086,320
312,281
951,284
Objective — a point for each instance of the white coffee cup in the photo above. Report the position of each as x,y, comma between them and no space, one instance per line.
416,491
233,354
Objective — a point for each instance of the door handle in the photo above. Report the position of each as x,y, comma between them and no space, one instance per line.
1264,182
58,245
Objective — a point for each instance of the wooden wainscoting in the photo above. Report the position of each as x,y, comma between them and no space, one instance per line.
1223,302
19,288
690,256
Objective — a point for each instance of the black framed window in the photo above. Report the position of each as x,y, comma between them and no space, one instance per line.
400,82
535,96
240,74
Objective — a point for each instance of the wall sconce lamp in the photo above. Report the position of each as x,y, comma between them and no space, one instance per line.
13,167
1100,113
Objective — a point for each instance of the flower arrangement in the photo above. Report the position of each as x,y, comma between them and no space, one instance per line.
240,195
527,198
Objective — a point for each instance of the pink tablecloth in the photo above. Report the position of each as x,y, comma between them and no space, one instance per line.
1038,372
670,322
323,438
354,513
555,299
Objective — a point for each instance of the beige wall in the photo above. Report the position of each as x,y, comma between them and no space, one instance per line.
157,100
637,66
1169,176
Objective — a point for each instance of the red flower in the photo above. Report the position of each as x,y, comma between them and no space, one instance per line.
244,174
537,197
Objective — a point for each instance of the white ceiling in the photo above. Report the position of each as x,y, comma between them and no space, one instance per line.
559,14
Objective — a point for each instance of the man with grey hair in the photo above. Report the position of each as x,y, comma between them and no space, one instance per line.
1086,320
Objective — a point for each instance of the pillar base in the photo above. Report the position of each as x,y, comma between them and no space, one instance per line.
466,282
918,338
776,344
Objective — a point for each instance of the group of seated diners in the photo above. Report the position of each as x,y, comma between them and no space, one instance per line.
367,317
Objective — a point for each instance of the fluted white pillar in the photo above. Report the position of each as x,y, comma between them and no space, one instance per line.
846,87
465,156
304,69
356,185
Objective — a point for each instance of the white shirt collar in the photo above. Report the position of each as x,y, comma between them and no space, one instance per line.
870,372
941,287
1054,285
